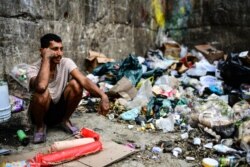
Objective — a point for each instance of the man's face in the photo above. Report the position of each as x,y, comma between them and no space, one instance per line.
57,48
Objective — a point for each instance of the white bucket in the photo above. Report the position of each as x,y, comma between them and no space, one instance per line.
5,108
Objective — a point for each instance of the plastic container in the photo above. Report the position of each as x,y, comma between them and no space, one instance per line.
5,107
209,162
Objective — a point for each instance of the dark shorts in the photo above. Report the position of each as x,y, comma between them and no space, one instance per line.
56,112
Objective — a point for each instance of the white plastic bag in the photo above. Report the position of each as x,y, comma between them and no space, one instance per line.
166,124
19,73
142,97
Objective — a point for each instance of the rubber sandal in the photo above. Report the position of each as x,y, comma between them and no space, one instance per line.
39,137
71,130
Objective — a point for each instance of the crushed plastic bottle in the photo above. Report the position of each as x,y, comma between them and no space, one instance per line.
223,148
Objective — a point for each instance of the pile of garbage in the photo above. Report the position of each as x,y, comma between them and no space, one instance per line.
202,93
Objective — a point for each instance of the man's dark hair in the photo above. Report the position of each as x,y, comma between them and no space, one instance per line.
45,40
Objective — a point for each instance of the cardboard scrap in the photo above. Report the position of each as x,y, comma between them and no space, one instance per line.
210,52
112,152
22,156
124,88
171,49
95,58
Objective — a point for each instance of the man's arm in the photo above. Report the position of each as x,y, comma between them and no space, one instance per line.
40,82
93,89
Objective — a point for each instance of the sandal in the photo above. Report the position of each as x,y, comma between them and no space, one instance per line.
39,137
70,129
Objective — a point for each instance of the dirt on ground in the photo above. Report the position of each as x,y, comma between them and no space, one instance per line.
121,132
108,130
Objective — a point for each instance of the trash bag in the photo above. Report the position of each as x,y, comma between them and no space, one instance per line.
104,68
233,71
225,131
155,73
109,69
150,106
130,68
158,107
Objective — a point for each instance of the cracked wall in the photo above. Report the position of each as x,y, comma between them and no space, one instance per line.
118,28
112,27
224,23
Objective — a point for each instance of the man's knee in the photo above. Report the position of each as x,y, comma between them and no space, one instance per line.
41,98
75,87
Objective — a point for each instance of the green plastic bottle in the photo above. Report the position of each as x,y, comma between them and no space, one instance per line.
23,137
229,161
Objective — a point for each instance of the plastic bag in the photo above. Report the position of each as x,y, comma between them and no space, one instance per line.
19,73
155,59
114,71
142,81
130,114
201,68
153,73
142,97
130,68
234,71
17,104
109,69
166,124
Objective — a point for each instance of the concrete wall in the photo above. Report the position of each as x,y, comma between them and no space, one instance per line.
225,23
117,28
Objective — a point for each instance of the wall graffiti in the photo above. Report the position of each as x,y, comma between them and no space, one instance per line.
158,7
178,14
172,15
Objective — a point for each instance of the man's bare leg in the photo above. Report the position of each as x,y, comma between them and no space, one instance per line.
72,96
38,107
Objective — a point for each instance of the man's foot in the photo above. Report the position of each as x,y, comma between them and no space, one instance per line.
39,135
70,128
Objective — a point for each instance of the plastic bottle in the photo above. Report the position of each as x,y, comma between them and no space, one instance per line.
223,148
23,137
229,161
